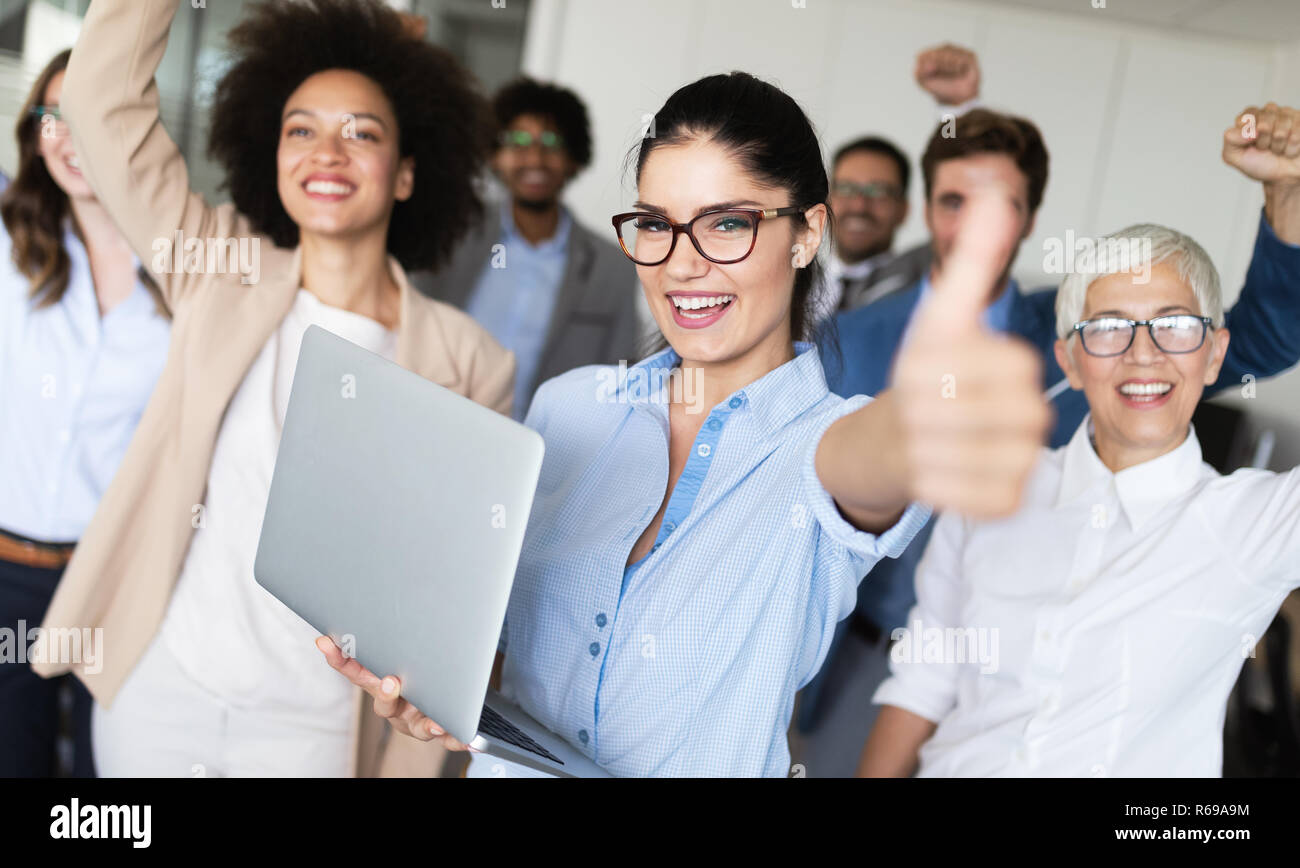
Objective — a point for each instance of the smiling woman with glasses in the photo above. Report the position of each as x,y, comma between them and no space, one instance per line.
1123,592
688,557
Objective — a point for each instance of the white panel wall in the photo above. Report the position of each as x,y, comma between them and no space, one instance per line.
1132,115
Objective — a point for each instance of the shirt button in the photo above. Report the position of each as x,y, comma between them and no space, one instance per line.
714,424
670,526
600,620
1021,755
735,402
594,648
654,548
704,450
582,736
64,436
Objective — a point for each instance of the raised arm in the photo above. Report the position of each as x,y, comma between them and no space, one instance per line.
110,99
962,423
1264,145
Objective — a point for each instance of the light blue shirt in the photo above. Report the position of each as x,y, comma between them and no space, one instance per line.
73,386
689,663
515,296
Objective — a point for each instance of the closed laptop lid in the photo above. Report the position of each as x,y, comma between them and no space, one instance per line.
394,522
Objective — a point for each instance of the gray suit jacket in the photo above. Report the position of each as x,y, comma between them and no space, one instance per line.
594,320
902,271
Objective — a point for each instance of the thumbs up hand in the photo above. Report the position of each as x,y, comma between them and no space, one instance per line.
970,406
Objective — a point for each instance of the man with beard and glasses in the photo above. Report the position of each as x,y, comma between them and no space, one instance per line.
545,286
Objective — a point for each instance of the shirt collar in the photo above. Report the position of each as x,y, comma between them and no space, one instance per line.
555,244
81,284
775,399
837,269
1143,489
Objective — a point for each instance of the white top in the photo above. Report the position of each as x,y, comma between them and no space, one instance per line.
1109,618
73,385
227,632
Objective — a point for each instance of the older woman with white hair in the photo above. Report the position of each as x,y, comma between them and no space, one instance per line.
1112,614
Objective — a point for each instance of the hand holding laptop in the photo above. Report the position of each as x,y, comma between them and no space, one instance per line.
404,716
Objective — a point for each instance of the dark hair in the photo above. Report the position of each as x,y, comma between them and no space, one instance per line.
772,139
526,96
877,145
988,132
441,117
34,206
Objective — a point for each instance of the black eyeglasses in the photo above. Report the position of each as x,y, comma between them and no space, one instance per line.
724,237
1112,336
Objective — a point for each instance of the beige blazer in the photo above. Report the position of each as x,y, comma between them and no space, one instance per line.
129,558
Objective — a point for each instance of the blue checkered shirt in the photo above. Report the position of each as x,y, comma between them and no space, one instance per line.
686,663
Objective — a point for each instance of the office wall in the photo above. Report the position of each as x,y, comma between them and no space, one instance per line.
1132,115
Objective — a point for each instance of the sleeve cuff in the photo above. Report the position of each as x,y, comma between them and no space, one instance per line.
866,548
944,111
895,691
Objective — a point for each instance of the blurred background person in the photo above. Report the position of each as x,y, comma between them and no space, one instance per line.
83,337
869,185
549,289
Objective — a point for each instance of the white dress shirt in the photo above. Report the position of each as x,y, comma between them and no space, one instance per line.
73,386
1107,620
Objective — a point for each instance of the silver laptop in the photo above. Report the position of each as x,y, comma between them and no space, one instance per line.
394,523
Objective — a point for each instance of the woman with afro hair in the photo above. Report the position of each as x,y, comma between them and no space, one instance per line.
350,149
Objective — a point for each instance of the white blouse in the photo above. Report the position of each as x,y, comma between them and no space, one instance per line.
1099,631
73,386
225,630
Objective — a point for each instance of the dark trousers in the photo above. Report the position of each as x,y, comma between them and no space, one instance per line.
31,719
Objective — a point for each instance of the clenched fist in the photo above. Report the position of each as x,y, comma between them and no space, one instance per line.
949,73
1264,144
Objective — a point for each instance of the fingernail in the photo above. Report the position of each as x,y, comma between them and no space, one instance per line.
434,728
389,686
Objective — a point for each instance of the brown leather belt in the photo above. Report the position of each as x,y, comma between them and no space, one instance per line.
29,553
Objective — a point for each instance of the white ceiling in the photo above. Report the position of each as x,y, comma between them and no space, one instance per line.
1270,20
